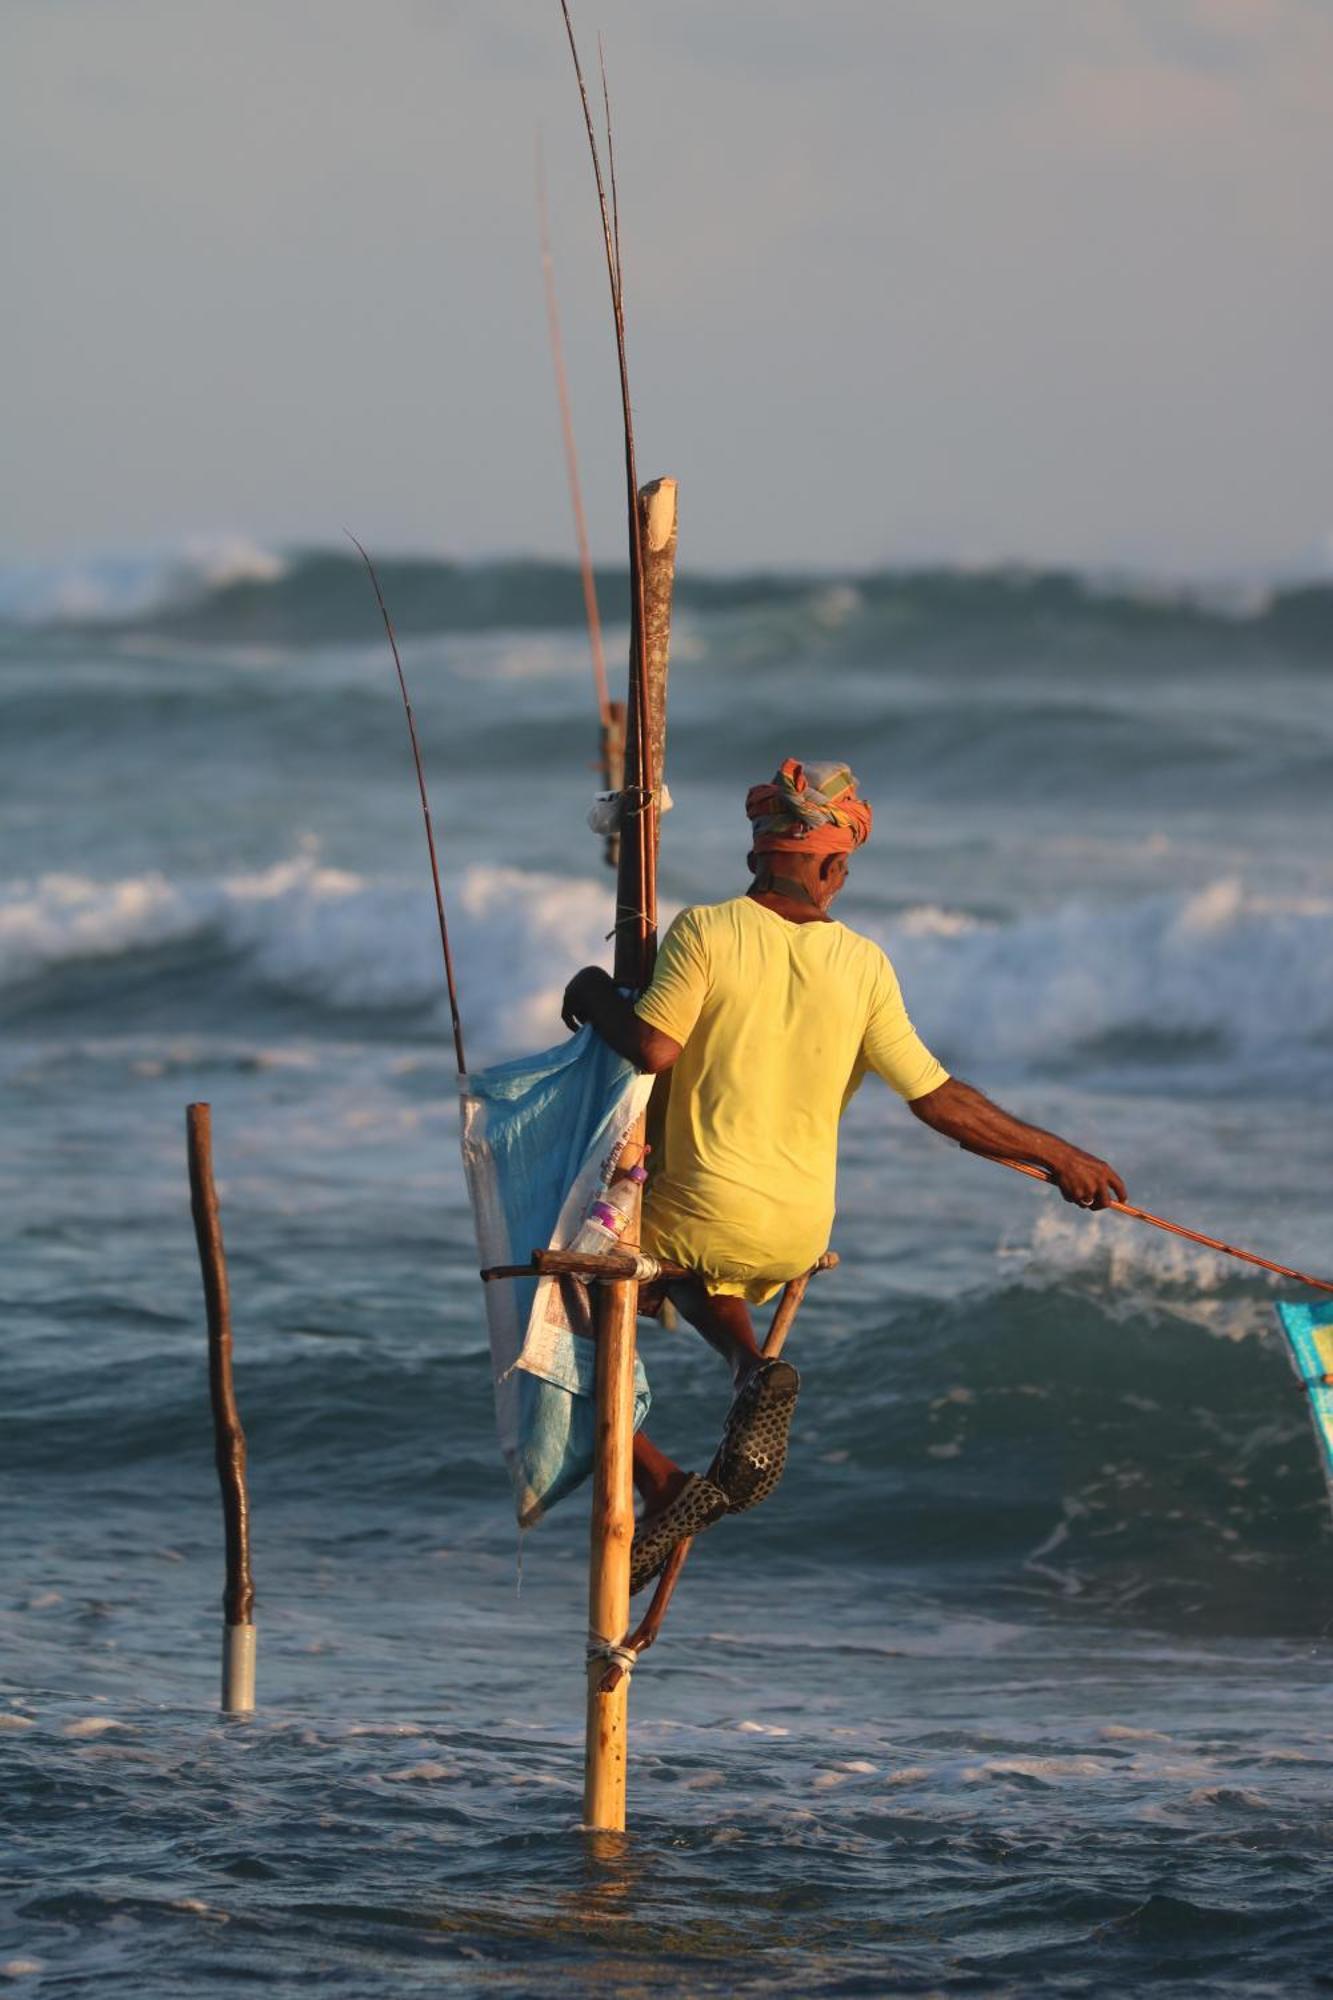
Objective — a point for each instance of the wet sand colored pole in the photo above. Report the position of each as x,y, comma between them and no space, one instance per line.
238,1598
607,1743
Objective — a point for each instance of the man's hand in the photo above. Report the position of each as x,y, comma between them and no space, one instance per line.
1084,1179
582,994
593,996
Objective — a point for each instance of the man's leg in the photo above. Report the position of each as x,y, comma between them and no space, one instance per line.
657,1478
752,1453
725,1323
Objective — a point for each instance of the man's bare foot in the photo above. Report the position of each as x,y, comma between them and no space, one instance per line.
658,1480
657,1500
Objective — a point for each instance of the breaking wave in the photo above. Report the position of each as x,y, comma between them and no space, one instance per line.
1220,973
324,938
1219,978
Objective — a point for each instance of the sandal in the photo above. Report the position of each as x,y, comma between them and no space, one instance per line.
698,1504
752,1456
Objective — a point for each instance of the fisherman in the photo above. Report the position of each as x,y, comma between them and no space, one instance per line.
768,1012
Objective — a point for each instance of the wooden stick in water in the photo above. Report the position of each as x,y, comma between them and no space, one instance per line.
606,1750
1179,1229
618,1300
238,1600
635,932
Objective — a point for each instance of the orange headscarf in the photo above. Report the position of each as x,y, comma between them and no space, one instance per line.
808,809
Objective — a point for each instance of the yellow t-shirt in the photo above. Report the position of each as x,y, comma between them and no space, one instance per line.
778,1024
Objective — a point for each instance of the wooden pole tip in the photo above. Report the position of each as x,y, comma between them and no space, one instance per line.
660,498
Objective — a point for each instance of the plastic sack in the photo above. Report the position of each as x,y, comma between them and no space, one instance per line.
540,1140
1308,1332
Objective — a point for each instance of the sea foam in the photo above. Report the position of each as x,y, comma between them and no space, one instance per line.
1222,977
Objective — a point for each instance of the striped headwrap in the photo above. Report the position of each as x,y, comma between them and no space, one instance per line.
808,809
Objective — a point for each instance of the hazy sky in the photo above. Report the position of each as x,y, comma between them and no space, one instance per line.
958,278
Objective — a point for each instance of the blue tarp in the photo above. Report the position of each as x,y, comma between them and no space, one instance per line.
540,1137
1309,1337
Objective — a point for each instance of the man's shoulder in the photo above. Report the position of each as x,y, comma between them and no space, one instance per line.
702,917
713,933
857,942
870,960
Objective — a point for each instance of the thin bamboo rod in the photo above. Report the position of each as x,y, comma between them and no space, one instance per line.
611,714
238,1598
635,767
590,606
1179,1229
449,979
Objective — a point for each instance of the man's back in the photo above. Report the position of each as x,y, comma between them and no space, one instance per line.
777,1022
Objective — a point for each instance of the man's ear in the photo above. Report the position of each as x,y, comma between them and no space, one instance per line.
752,862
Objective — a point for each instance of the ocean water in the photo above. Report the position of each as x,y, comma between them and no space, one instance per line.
1020,1684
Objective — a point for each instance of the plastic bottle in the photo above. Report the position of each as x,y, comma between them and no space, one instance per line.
609,1213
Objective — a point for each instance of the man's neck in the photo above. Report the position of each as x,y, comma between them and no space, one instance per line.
789,898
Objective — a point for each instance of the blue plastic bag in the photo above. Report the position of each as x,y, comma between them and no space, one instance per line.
540,1138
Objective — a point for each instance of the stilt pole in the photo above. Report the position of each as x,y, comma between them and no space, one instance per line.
606,1754
607,1748
238,1599
645,1633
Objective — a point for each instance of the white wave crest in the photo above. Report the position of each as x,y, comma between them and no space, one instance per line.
1223,975
1246,974
1127,1264
332,937
112,586
517,936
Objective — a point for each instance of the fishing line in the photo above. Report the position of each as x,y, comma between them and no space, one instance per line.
1179,1229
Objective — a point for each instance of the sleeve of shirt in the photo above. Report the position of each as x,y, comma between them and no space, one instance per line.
679,984
892,1046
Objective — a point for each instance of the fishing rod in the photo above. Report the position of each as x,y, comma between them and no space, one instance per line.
610,714
1179,1229
641,819
425,808
571,454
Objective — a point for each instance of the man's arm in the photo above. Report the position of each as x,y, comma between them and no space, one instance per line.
964,1114
593,996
